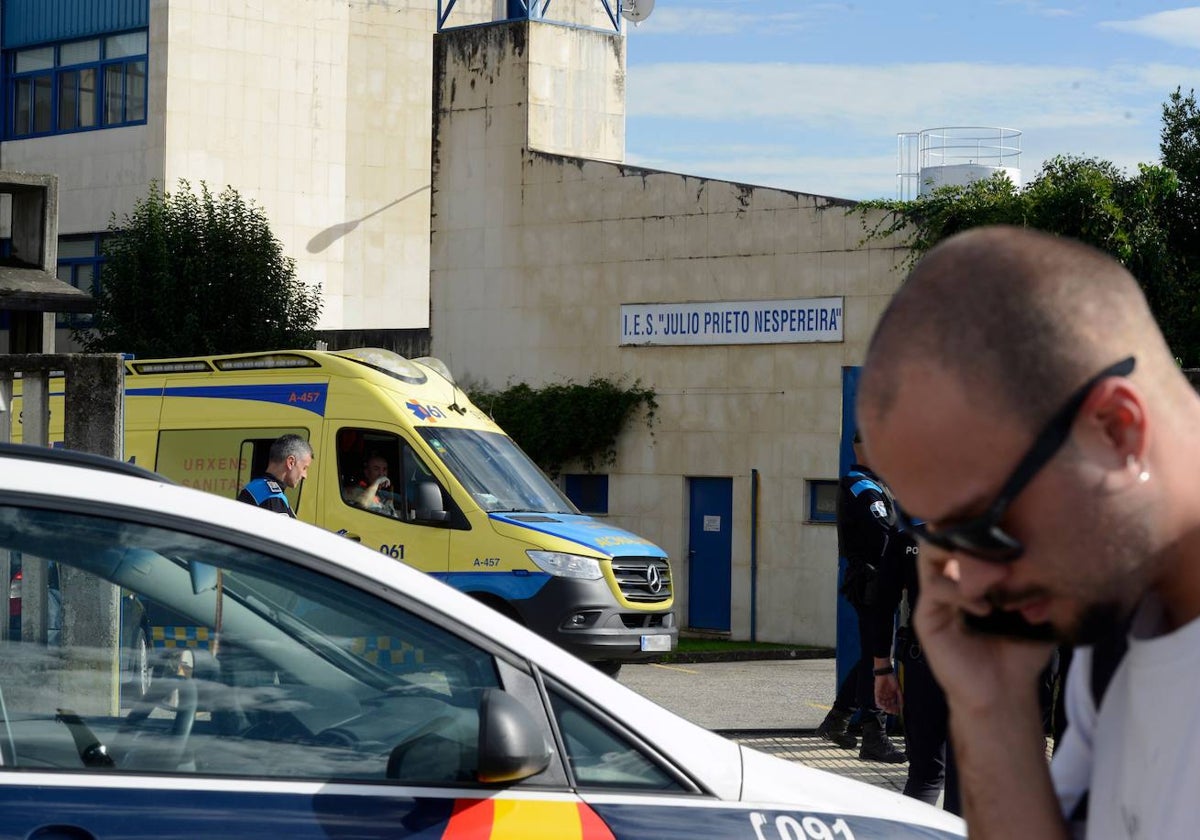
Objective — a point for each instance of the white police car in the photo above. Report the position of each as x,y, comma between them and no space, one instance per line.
307,687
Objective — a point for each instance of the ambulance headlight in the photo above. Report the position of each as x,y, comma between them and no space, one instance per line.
566,565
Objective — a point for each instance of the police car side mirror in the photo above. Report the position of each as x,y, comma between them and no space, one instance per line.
511,744
204,577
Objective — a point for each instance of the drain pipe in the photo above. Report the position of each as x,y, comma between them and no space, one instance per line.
754,555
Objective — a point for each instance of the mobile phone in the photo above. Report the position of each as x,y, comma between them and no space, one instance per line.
1007,623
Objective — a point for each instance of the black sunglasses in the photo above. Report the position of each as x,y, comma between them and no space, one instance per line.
981,536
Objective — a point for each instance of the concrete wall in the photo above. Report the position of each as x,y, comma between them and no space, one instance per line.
576,92
98,171
527,285
256,99
318,110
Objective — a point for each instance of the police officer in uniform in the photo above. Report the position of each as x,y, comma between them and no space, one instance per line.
926,717
866,524
287,466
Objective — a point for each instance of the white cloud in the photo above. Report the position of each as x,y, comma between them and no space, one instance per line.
1166,77
902,97
836,176
730,20
1040,9
1179,27
831,130
871,175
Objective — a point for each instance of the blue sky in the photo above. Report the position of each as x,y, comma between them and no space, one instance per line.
810,96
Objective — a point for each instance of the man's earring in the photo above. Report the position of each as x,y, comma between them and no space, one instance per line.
1143,473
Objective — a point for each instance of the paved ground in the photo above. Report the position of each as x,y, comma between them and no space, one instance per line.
808,749
766,694
773,706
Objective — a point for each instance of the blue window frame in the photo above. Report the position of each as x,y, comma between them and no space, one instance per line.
79,262
76,85
822,500
587,492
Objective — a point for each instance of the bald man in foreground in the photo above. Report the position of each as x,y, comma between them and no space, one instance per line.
1021,402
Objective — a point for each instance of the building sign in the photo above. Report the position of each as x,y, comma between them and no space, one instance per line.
800,320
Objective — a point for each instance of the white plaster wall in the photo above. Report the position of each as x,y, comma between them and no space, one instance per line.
576,92
533,294
105,171
318,110
98,171
322,113
256,99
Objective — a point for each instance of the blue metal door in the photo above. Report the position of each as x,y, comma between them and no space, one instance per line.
710,552
847,620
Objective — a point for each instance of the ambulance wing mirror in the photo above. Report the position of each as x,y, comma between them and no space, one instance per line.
427,504
511,744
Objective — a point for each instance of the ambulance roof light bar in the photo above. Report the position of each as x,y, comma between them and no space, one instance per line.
170,367
270,361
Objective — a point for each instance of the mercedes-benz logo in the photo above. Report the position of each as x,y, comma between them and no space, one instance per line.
653,579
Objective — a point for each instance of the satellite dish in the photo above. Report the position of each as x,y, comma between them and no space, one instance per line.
636,10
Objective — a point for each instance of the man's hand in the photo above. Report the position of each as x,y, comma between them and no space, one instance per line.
887,694
978,672
995,723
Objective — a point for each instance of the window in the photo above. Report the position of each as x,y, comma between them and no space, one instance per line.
77,85
599,757
254,454
255,666
822,500
181,458
495,471
79,261
380,473
587,492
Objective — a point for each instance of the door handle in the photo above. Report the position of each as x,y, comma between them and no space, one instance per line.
344,533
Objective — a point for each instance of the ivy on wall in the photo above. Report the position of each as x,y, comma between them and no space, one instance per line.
560,424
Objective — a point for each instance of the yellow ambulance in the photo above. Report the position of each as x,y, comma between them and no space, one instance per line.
457,498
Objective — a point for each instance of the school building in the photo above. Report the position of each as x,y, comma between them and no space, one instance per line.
452,174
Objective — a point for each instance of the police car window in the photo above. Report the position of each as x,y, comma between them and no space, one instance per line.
599,757
218,660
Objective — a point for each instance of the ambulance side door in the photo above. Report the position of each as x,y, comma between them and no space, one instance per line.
384,495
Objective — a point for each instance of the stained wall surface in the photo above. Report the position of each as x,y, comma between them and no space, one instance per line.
535,253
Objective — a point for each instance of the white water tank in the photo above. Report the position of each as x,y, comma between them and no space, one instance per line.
955,155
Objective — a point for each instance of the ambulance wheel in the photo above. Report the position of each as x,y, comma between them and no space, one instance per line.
607,666
499,605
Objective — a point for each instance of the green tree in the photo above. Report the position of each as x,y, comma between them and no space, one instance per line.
187,274
1085,198
1180,149
1147,220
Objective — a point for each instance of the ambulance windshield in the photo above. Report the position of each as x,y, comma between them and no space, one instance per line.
494,470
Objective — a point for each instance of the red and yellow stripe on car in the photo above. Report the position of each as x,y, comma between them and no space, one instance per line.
524,819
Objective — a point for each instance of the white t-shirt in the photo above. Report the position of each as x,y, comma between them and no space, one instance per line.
1140,757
